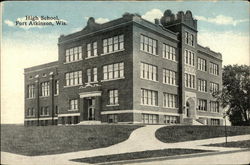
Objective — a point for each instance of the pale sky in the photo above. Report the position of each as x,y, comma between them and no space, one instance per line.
223,26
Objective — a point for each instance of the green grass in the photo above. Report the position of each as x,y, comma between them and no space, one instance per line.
61,139
173,134
238,144
138,155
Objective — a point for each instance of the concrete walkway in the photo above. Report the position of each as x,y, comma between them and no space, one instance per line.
140,140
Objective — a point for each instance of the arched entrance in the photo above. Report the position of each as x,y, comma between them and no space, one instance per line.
187,109
190,107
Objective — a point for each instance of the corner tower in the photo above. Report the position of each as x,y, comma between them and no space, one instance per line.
186,26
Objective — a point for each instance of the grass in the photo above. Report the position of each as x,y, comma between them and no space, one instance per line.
138,155
173,134
240,144
33,141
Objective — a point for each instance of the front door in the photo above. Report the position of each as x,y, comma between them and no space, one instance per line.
187,109
91,109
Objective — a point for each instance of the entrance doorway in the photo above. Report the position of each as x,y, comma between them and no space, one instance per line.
91,108
187,109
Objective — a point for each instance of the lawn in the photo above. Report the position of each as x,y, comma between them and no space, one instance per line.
239,144
61,139
173,134
138,155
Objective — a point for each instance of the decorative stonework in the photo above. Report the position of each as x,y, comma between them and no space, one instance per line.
190,69
187,18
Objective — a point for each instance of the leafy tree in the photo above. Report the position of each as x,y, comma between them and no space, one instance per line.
235,94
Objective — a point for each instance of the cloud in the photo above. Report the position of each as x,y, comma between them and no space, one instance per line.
23,23
152,15
101,20
234,47
221,20
9,23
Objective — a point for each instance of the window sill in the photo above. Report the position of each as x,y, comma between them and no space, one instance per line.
170,60
30,98
157,106
113,79
202,91
103,54
193,66
149,80
202,70
202,110
44,115
91,57
190,88
171,108
92,82
113,105
73,85
56,95
149,53
43,96
72,61
30,116
72,110
170,84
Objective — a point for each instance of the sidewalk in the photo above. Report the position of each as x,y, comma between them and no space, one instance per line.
140,140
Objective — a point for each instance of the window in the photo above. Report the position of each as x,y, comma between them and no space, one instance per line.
215,121
202,105
214,87
189,80
214,106
92,75
202,85
30,112
74,54
170,119
189,58
149,71
92,49
56,87
169,77
89,75
214,69
112,118
45,89
202,64
113,97
150,118
113,44
189,39
186,37
149,97
113,71
73,105
73,78
31,91
169,52
170,100
56,110
148,45
44,111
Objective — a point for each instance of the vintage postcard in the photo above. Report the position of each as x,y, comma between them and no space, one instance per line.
125,82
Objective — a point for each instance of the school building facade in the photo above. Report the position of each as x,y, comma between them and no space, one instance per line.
128,70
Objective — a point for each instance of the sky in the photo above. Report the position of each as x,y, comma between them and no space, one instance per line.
223,26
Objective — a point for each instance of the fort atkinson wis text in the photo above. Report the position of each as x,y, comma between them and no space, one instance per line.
40,21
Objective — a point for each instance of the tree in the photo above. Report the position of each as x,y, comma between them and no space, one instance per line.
235,94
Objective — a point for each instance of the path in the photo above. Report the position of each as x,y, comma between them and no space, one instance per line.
140,140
